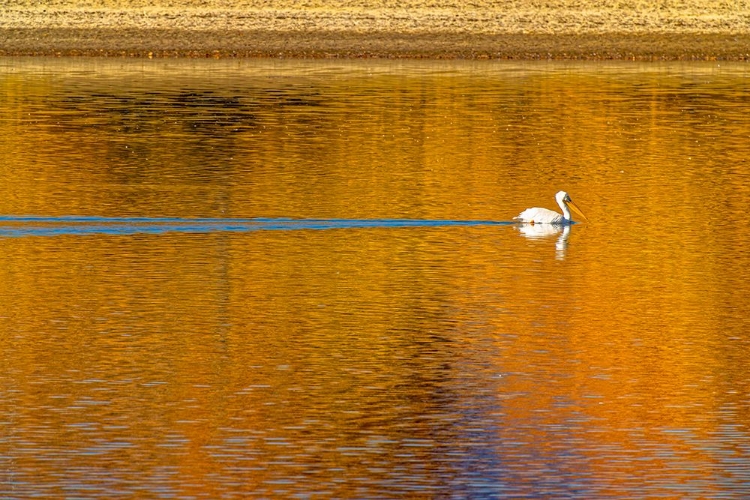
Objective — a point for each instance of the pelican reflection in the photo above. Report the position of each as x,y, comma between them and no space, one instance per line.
542,231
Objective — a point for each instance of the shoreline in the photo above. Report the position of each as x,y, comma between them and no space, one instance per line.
318,45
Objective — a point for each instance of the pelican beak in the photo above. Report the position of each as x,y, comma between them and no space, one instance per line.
576,209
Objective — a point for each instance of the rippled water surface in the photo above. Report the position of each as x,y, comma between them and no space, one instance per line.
292,279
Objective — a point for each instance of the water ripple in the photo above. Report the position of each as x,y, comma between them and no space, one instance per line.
29,225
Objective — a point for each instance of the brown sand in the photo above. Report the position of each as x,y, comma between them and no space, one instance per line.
521,29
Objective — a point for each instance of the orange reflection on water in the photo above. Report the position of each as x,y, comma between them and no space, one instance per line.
383,361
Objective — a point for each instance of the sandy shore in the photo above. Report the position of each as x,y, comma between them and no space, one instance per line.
523,29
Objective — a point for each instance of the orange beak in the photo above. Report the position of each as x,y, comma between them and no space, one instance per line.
577,210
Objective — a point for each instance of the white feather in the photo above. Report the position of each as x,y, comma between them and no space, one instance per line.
538,215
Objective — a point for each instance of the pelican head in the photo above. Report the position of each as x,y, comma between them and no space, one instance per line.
563,199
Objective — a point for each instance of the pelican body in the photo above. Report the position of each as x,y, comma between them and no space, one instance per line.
538,215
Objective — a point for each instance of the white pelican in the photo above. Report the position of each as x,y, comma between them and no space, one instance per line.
538,215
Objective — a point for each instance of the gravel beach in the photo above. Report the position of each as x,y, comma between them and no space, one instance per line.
523,29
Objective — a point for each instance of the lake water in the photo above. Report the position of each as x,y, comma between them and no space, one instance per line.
299,279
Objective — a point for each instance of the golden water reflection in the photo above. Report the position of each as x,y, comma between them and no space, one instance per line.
605,359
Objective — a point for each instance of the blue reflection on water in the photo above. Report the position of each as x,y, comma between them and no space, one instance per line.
29,225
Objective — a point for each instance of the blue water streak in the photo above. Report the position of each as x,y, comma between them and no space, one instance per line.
32,225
